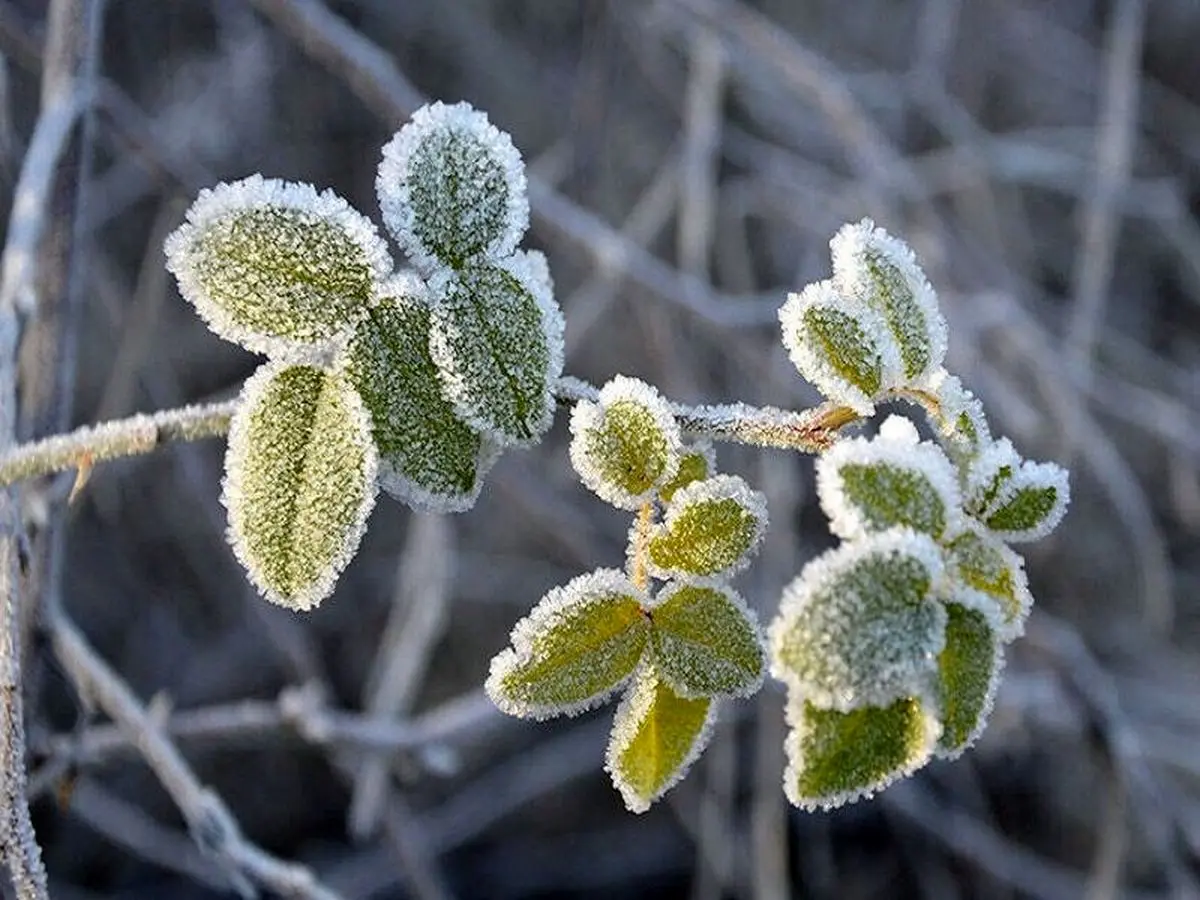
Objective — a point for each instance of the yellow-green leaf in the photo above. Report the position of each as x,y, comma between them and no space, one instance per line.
984,564
578,645
429,458
839,757
656,736
625,445
276,267
695,464
299,480
711,528
706,642
968,673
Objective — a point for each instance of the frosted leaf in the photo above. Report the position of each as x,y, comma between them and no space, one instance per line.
968,674
836,757
626,445
962,424
840,345
698,460
881,271
706,641
987,475
299,480
859,625
711,528
496,338
578,645
893,479
452,188
1030,504
428,457
990,577
656,736
275,266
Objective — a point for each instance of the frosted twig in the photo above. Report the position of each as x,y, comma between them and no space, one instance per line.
136,435
211,824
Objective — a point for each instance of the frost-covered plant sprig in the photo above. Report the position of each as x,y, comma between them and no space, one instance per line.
414,381
675,650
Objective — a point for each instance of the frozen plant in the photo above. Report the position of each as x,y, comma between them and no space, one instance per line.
415,380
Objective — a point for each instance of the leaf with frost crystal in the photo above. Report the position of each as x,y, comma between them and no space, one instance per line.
711,528
497,338
836,758
275,266
961,424
696,462
968,674
1030,504
626,444
882,272
859,626
706,642
299,480
428,457
656,736
578,645
452,188
871,485
839,344
995,578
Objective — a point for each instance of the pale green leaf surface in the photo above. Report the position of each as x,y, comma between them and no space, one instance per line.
836,758
276,267
839,344
968,674
859,626
452,188
983,564
1031,503
882,272
891,480
429,458
299,480
656,736
706,642
625,445
711,528
578,645
497,342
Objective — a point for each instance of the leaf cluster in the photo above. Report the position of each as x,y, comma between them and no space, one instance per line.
412,381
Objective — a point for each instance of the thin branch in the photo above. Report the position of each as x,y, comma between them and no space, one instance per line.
211,824
140,434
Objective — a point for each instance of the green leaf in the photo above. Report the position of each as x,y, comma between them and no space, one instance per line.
452,188
577,646
839,757
882,272
983,564
859,626
276,267
656,736
893,479
711,528
706,642
496,338
968,674
299,480
626,445
834,341
695,464
429,458
1031,504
